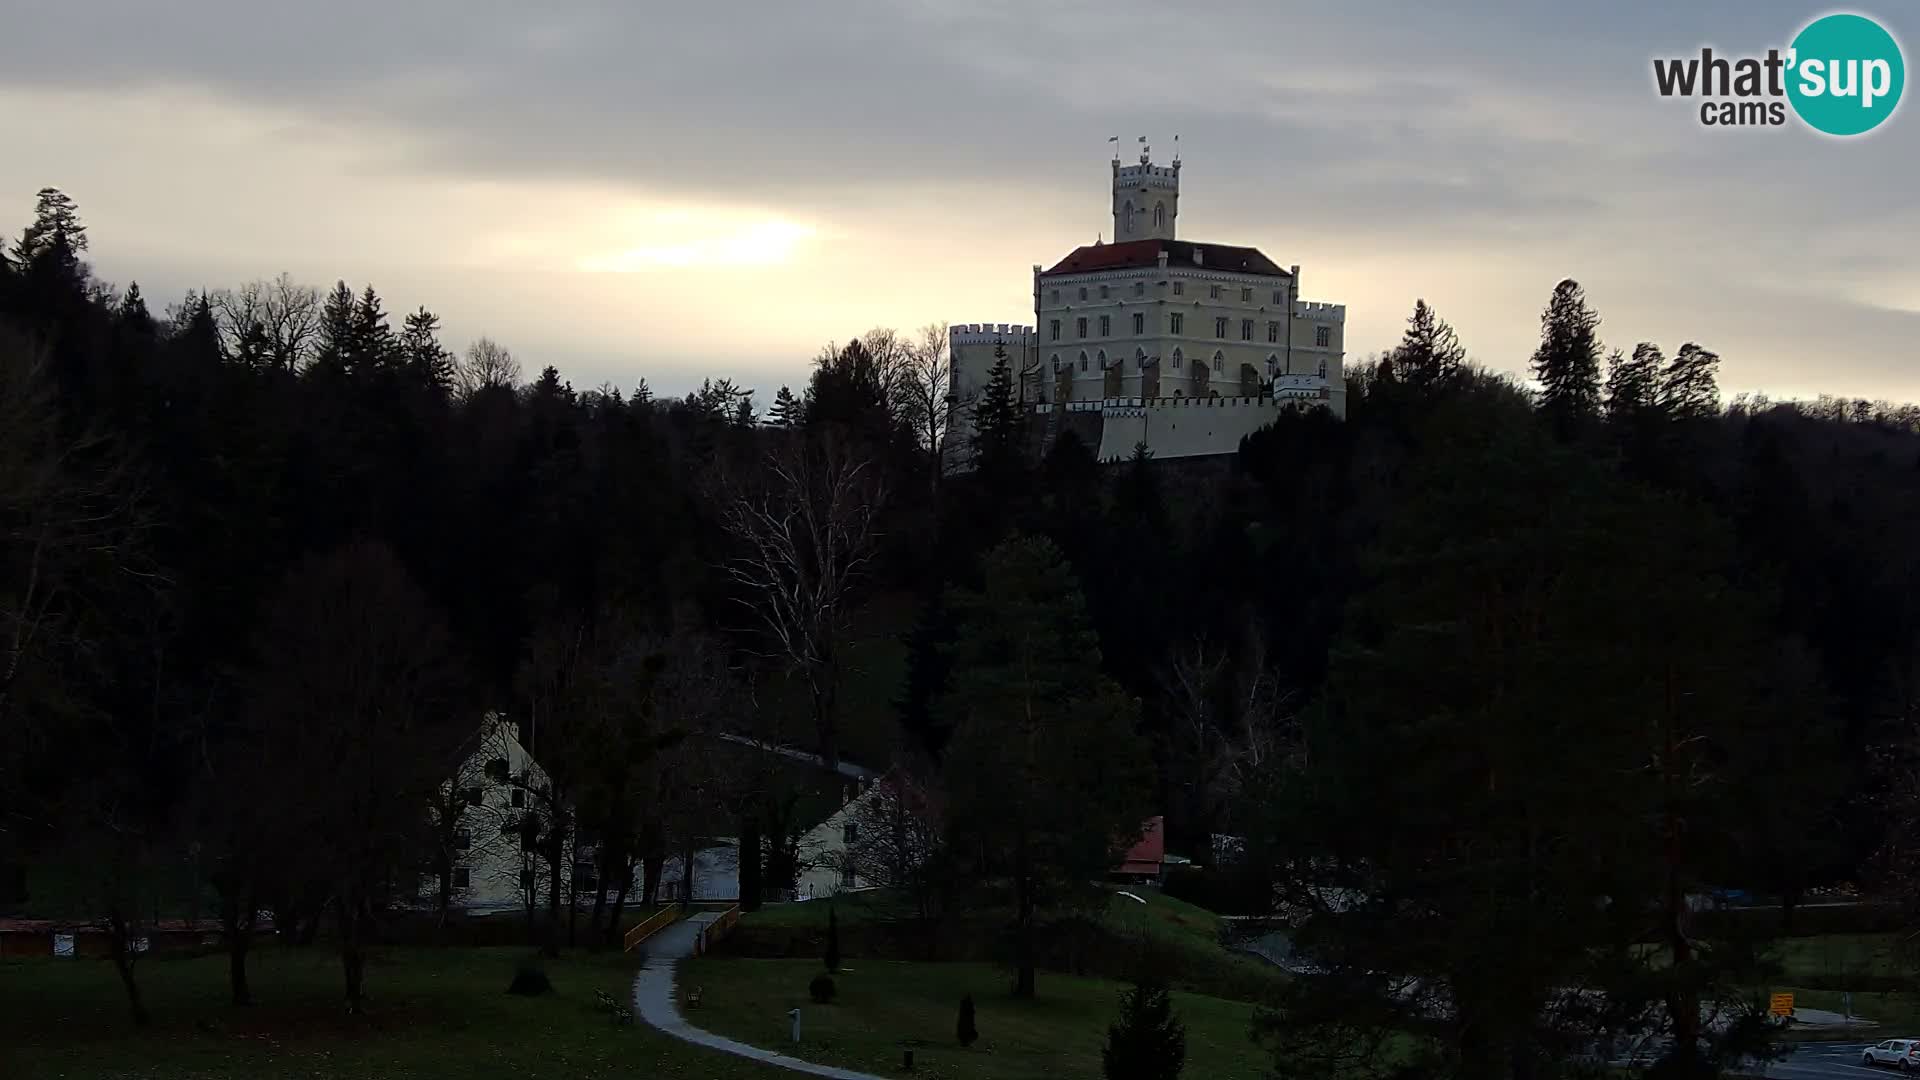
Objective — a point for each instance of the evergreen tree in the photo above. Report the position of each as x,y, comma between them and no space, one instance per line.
1567,363
996,424
1147,1042
963,1029
1632,382
1045,773
1430,354
133,310
374,348
56,237
427,360
337,329
786,410
1687,388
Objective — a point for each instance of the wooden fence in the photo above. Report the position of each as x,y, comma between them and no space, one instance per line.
652,925
716,929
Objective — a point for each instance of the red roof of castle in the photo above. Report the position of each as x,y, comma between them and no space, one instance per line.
1138,254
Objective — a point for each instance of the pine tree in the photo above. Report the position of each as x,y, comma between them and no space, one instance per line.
1688,388
1430,354
56,237
785,411
1632,381
832,956
336,329
996,424
1567,363
133,311
1147,1042
374,347
427,360
964,1029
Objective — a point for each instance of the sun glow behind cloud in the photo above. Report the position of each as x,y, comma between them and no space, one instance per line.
679,239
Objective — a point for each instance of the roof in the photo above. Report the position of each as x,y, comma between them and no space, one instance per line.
1140,254
1144,857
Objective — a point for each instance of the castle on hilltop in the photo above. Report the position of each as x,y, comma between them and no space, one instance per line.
1184,346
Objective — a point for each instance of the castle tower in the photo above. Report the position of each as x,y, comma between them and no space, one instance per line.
1146,199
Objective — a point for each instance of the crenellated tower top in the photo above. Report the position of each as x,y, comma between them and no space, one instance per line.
1146,198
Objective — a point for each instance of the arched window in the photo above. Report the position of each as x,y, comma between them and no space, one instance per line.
1273,366
1159,215
1126,217
1083,361
1101,356
1056,361
1323,369
1177,359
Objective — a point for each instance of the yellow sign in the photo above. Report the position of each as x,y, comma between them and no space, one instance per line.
1781,1005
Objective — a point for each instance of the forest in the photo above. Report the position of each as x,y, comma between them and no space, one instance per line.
1486,681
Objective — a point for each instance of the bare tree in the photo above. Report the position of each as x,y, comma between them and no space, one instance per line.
1226,722
898,842
924,384
805,539
362,714
284,313
486,364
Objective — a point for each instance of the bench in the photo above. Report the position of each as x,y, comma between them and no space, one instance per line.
617,1012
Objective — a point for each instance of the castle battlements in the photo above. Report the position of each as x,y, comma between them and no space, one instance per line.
1147,176
989,334
1315,309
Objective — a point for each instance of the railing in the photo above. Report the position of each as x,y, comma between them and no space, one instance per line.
651,925
716,930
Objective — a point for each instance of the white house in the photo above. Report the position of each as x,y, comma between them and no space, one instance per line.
490,870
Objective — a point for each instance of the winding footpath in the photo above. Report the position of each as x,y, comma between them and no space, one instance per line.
654,1003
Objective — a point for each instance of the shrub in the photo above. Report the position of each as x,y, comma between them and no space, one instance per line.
964,1029
1146,1042
821,989
530,977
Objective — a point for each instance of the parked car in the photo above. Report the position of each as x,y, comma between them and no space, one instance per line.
1903,1054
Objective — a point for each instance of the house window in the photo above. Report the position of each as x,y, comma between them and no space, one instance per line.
850,832
473,796
1273,332
1083,292
1080,326
1106,325
1053,325
1246,295
1139,288
1139,322
1177,359
1323,336
519,797
1054,296
846,877
1103,292
1246,329
1220,327
1175,322
1179,288
462,840
1213,292
1083,361
462,877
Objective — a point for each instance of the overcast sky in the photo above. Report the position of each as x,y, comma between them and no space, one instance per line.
629,188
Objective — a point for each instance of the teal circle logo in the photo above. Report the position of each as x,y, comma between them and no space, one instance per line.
1845,74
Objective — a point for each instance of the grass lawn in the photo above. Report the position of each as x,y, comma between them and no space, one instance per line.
886,1006
431,1013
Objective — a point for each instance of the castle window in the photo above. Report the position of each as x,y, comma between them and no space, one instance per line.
1080,326
1106,326
1246,329
1273,366
1277,294
1177,359
1103,292
1053,326
1139,322
1175,323
1273,331
1213,292
1323,336
1054,297
1083,292
1220,326
1083,361
1100,358
462,877
1139,288
1323,369
1179,288
1054,360
1159,215
1246,295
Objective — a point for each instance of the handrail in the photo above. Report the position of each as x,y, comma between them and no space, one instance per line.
716,929
651,925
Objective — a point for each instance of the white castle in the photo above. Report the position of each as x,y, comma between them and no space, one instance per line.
1185,346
